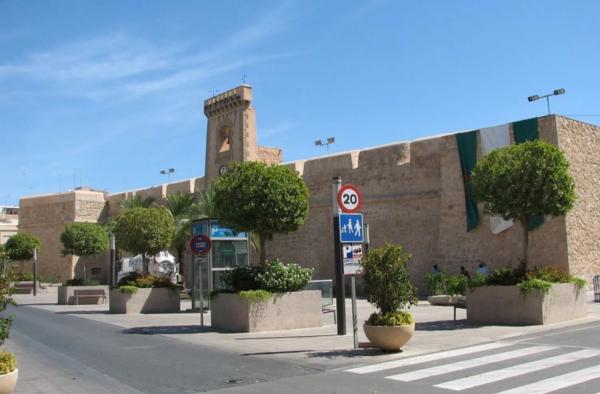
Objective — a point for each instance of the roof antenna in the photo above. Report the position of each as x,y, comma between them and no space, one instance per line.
244,79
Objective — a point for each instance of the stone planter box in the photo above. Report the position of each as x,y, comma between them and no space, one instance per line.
145,300
299,309
508,305
66,295
443,300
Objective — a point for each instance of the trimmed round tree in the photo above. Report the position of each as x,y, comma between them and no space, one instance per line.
84,239
524,180
262,199
145,231
20,246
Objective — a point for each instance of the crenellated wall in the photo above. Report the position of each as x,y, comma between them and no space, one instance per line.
413,195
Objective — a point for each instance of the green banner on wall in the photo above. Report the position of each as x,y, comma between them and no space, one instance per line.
527,130
467,152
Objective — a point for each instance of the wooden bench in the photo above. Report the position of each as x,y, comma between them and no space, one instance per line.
91,293
460,303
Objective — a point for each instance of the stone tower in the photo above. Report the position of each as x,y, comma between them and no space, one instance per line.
231,132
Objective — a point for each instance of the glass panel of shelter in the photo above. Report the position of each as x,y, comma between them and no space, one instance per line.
226,253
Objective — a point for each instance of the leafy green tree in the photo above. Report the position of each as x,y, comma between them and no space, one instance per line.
84,239
524,180
145,231
137,201
263,199
181,206
20,246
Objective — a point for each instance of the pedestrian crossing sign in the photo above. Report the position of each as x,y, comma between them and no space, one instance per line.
351,228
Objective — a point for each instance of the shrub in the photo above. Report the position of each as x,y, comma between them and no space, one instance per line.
457,284
529,284
506,276
273,276
24,276
243,278
126,289
144,281
278,277
399,318
254,296
8,362
386,278
81,282
436,283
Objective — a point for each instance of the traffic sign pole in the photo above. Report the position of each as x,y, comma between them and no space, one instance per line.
339,266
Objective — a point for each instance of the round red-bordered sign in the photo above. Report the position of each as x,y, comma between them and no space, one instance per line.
349,199
200,244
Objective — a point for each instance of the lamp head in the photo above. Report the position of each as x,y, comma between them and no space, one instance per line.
318,143
559,91
330,140
533,98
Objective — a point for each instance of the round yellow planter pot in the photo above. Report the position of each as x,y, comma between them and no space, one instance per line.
8,381
389,337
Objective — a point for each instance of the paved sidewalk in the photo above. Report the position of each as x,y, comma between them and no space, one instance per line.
315,347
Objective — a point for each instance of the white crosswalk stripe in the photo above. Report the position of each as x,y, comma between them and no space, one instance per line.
472,363
558,382
427,358
517,370
427,368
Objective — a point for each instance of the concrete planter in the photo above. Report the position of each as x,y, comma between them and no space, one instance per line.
390,338
508,305
66,295
299,309
8,381
443,300
145,300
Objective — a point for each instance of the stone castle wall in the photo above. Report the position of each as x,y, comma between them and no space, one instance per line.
47,216
412,195
581,143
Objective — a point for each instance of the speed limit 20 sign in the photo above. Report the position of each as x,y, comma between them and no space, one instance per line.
349,199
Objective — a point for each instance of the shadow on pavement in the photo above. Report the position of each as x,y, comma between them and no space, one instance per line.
350,353
288,337
278,352
83,313
162,330
36,304
443,325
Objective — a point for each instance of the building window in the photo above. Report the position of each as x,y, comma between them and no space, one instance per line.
224,139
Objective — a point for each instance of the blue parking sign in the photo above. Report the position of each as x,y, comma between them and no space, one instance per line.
351,228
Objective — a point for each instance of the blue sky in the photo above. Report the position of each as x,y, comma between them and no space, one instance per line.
111,92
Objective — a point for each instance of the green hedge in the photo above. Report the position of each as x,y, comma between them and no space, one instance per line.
273,276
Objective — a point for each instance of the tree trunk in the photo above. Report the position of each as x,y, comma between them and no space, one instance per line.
525,224
263,254
146,264
180,260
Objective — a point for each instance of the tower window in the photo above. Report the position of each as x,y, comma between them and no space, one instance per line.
224,138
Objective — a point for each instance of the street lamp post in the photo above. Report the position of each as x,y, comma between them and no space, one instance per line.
168,173
329,141
535,97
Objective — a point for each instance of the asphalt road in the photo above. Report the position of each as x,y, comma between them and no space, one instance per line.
55,351
561,361
61,353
